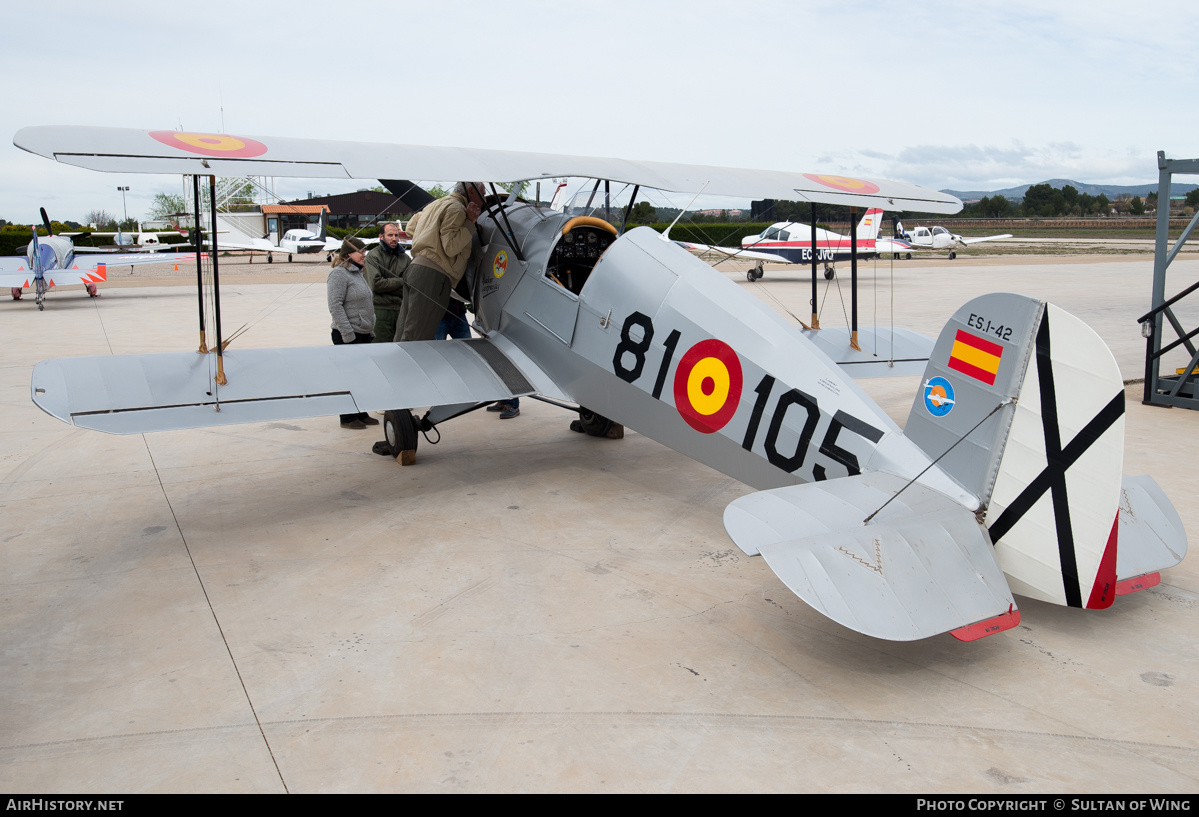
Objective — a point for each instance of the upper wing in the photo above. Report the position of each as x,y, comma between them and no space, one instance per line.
130,394
128,150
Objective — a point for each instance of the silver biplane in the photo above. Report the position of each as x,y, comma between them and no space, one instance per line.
1006,479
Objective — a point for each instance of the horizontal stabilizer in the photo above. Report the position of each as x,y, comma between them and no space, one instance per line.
885,351
922,566
131,394
1152,537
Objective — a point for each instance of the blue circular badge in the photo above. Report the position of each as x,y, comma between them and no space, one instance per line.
938,396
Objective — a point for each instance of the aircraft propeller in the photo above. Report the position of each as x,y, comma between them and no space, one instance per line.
46,221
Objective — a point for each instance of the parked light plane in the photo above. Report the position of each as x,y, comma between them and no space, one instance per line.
1006,479
937,238
52,261
791,242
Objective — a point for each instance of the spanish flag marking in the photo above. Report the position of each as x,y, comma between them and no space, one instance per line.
974,356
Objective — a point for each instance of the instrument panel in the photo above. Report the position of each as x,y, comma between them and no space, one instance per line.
573,257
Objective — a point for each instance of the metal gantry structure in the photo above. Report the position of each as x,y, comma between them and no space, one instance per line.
1177,389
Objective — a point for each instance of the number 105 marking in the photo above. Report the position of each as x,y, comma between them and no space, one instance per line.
788,398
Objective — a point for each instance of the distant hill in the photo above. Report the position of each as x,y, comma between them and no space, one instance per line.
1112,191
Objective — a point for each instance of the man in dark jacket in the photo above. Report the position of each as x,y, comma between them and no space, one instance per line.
385,266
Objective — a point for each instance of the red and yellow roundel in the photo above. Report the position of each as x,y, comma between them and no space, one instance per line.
211,144
707,385
500,264
843,183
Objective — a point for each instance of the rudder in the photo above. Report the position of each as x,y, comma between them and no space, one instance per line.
1047,455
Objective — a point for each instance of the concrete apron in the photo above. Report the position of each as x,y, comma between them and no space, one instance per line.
271,607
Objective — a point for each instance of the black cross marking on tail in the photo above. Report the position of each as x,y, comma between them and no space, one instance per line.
1059,459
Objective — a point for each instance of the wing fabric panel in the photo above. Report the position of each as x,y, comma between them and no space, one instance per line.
129,394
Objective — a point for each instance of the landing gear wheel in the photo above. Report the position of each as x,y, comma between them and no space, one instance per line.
40,297
952,255
829,272
399,427
908,257
289,258
594,424
270,259
756,273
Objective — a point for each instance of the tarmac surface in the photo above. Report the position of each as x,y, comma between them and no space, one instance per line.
271,607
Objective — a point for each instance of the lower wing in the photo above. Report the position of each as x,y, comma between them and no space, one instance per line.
131,394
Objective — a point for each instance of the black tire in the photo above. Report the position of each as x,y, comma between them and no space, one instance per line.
952,255
399,429
749,276
270,259
829,273
908,257
594,424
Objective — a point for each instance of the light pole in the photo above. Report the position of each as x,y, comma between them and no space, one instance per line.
125,207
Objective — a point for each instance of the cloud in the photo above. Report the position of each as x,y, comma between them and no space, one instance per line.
986,167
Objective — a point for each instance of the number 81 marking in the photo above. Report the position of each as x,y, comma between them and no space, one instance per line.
789,398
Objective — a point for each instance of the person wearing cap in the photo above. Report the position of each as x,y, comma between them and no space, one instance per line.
350,306
384,273
443,236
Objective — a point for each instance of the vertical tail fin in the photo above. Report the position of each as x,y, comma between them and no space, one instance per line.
1047,466
869,225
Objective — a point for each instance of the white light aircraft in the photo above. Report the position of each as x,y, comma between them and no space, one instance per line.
792,242
1006,479
938,238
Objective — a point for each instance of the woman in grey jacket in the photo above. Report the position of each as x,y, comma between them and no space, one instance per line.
351,309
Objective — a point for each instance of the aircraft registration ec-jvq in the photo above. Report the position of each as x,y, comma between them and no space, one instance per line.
1006,479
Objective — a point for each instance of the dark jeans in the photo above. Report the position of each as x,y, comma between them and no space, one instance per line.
337,341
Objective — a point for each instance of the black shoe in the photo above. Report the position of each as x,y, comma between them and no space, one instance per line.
509,412
497,406
366,419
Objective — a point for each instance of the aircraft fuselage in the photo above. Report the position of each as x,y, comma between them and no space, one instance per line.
640,331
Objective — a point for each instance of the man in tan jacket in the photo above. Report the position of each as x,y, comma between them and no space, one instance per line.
442,238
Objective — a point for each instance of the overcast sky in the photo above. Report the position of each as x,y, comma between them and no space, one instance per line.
958,95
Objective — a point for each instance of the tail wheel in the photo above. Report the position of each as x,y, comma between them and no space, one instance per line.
399,427
594,424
